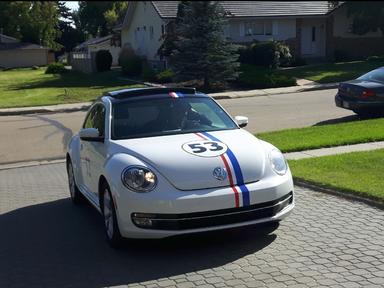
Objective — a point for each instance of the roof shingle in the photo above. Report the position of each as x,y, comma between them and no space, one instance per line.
168,9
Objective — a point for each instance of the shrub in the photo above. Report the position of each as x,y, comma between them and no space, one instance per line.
131,64
148,73
298,61
103,60
341,56
270,54
256,77
55,68
165,76
375,58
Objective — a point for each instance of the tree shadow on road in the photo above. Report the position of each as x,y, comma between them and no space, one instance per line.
58,245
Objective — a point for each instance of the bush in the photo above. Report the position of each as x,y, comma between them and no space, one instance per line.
341,56
271,54
148,73
256,77
103,60
131,64
298,61
165,76
375,58
55,68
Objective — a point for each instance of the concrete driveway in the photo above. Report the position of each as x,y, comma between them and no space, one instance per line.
46,241
45,136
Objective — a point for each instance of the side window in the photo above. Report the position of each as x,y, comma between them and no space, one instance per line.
88,123
96,119
99,119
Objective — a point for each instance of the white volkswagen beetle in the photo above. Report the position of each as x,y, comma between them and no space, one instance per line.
158,162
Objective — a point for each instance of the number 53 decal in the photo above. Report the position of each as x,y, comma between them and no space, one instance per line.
205,148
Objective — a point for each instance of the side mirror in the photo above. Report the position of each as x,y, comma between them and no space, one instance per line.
242,121
90,134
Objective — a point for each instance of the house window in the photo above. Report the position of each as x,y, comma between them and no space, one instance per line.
268,28
313,34
258,28
151,32
248,28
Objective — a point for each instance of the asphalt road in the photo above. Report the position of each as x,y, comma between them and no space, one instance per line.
45,136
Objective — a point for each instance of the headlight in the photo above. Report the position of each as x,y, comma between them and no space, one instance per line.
139,179
278,163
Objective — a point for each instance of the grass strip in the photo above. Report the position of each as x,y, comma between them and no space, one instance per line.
298,139
359,173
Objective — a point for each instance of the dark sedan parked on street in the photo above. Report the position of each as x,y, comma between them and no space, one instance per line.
364,95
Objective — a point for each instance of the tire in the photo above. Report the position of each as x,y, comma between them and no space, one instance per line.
76,196
111,226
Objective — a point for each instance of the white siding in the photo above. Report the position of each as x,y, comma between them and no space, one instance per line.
23,58
143,16
282,29
342,26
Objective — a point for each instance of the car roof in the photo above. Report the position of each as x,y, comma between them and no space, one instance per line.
152,91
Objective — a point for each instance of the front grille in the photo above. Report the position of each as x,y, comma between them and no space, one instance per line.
211,218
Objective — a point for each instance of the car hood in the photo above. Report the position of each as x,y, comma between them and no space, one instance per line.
172,157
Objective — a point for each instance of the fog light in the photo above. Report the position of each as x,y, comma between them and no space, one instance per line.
142,220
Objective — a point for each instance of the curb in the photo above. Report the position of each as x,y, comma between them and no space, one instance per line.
32,163
316,187
85,106
43,109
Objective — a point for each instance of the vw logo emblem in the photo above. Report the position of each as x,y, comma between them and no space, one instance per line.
219,173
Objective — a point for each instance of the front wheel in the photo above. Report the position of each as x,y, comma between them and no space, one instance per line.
110,220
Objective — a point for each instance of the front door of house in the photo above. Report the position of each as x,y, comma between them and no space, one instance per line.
309,40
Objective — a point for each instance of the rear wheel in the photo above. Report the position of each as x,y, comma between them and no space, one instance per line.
74,191
110,220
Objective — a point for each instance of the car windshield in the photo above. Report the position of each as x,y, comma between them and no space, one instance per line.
167,116
375,75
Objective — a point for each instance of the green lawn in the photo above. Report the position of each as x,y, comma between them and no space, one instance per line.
358,173
27,87
359,131
333,72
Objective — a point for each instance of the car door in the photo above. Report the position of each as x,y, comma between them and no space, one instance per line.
96,151
84,154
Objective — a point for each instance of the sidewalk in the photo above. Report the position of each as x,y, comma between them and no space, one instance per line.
334,150
311,86
289,156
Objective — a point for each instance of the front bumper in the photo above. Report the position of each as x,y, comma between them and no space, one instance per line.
168,211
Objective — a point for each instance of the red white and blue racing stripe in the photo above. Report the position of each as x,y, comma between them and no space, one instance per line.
176,95
229,158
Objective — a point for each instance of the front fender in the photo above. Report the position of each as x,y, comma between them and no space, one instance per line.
73,151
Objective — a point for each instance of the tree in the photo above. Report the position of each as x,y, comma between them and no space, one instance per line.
201,51
116,14
367,16
31,21
70,37
169,38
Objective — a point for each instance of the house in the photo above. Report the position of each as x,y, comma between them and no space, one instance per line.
14,53
312,29
109,42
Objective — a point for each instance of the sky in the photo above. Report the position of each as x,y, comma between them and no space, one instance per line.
73,5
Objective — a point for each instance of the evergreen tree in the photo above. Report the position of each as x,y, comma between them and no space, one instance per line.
201,51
